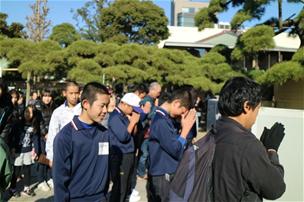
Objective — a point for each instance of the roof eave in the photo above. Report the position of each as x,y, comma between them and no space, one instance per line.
200,45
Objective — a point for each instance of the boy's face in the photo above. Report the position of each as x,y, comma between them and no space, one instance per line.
177,109
99,108
72,95
127,109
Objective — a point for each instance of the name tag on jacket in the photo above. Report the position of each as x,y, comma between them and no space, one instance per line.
103,148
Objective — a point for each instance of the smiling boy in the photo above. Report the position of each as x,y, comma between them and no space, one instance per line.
81,151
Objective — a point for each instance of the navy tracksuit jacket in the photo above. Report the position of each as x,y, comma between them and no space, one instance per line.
166,147
81,162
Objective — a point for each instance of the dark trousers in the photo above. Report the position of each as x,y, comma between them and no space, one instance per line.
44,172
17,173
122,166
158,188
134,173
27,175
18,170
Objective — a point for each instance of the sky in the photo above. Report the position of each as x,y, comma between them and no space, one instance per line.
61,10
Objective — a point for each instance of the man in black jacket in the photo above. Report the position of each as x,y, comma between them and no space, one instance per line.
244,168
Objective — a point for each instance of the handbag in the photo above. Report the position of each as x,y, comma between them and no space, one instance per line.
43,160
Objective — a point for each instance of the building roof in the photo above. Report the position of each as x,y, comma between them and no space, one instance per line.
187,35
225,37
286,41
210,37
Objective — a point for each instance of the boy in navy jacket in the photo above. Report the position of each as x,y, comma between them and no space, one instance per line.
81,151
122,125
166,144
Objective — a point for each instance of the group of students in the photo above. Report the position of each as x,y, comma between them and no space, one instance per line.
87,155
24,130
144,133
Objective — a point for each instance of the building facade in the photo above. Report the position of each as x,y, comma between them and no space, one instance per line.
183,11
288,95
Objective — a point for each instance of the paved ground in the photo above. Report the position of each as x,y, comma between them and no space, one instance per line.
42,196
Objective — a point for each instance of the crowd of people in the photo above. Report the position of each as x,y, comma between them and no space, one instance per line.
95,145
24,129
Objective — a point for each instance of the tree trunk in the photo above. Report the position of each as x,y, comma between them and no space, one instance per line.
38,83
301,36
34,79
280,14
28,87
255,62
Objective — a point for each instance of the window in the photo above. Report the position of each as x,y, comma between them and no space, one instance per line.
202,1
188,10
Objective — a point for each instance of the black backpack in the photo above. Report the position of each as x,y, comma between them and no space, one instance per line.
192,181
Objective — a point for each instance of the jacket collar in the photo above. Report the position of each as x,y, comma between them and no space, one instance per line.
118,110
78,125
235,123
162,111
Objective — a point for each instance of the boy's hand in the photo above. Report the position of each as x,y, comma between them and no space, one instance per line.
187,122
134,117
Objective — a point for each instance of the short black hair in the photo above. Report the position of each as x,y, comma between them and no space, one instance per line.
164,96
184,95
141,88
71,83
235,92
90,90
193,94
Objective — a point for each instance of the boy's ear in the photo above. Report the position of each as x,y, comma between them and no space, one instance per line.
85,104
176,102
246,107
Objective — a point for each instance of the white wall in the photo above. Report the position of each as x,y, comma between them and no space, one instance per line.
291,153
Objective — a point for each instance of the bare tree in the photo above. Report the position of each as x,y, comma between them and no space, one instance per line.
37,24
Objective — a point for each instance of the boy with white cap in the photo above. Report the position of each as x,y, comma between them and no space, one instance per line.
122,125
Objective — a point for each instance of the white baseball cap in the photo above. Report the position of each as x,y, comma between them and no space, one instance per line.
133,100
